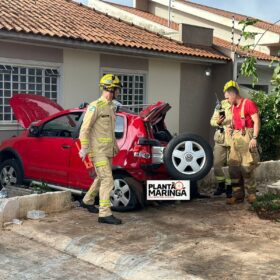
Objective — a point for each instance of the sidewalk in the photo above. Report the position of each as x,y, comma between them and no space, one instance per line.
203,239
25,259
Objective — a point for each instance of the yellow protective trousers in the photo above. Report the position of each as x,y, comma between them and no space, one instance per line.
242,163
103,184
220,160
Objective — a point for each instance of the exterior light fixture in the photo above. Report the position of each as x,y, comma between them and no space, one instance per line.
208,72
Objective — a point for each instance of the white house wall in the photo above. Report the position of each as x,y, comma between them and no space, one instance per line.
264,74
27,53
164,85
80,77
122,62
196,100
190,15
182,17
117,12
184,89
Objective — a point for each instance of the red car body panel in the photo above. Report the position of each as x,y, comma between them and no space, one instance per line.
56,160
155,112
33,108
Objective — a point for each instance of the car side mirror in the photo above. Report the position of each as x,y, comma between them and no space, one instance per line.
34,131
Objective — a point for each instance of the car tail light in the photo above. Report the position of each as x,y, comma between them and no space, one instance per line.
143,152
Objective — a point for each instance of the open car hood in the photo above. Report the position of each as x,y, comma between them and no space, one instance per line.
29,108
155,112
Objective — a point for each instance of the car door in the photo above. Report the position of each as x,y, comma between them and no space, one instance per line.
49,153
79,176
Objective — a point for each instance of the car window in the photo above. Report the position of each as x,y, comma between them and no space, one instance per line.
119,128
63,126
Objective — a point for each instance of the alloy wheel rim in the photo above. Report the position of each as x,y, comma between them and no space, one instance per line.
8,176
120,195
188,157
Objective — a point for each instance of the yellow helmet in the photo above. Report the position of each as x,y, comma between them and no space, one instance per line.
229,84
109,82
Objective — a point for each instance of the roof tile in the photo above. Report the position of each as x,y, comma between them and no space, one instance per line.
261,24
67,19
216,41
225,44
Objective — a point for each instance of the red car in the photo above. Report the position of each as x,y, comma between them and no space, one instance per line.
46,150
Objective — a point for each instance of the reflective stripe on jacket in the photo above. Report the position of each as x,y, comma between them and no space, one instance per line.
98,128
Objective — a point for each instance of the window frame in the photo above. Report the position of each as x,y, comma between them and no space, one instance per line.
10,125
256,88
119,71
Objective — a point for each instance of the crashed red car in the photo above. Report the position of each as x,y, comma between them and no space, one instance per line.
46,150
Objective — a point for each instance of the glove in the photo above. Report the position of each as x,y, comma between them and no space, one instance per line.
83,153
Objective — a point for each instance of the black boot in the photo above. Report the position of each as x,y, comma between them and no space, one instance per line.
220,188
228,191
194,193
90,208
109,220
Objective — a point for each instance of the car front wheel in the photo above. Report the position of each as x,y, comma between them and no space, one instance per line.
188,157
10,173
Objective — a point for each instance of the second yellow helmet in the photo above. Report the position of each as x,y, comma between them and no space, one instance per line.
229,84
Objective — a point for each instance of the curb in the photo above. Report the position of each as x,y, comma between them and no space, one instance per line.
274,188
125,265
266,171
17,207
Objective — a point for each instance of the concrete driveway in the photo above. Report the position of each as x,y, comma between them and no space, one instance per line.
24,259
202,239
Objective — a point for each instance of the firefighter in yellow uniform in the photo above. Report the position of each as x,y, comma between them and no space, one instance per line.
243,156
97,137
221,119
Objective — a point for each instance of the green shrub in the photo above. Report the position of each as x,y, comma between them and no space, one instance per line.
268,202
269,138
269,104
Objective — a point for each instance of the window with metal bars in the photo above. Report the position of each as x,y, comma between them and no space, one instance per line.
133,91
21,79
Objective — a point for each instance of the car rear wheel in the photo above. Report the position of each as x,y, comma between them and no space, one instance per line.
123,197
10,173
188,157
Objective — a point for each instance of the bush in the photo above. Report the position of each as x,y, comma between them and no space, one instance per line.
267,206
269,104
269,138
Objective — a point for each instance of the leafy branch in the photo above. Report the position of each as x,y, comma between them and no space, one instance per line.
248,21
268,104
250,35
249,69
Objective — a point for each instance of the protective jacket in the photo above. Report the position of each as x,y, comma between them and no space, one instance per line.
98,129
220,136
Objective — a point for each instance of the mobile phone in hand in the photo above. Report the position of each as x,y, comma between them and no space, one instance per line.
222,114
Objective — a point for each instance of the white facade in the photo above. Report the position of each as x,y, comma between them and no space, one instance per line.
80,77
164,84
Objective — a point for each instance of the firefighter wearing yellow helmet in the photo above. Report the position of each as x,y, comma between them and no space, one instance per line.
221,119
231,83
243,156
97,137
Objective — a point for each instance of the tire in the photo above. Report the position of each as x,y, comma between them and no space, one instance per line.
123,197
188,157
11,173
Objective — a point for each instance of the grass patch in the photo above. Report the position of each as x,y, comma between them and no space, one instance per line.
267,206
38,189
